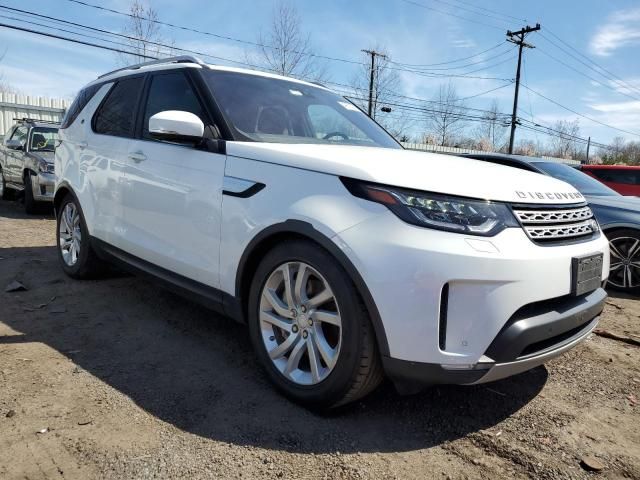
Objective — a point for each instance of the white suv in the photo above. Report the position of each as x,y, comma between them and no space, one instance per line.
282,205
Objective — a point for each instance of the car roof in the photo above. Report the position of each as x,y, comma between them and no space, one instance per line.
187,61
611,167
505,156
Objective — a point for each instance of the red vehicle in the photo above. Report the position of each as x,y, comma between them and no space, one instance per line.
622,178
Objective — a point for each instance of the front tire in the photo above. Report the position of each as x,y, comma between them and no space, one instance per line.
310,329
74,244
624,271
4,191
30,205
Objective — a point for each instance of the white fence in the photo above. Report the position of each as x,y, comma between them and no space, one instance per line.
426,147
19,106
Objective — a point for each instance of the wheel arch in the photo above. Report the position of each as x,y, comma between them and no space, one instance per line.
614,227
62,191
297,229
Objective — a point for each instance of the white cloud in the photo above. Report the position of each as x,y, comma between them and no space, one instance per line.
622,29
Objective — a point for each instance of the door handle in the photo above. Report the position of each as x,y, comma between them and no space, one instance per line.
137,156
82,145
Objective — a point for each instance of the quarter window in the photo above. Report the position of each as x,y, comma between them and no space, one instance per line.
117,113
171,91
78,104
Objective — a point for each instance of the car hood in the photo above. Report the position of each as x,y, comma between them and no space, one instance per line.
616,201
46,156
415,170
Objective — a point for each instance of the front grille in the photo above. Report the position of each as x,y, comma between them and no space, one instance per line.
551,224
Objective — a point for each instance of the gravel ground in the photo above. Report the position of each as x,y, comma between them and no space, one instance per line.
116,378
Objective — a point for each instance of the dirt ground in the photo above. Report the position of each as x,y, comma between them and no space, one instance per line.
116,378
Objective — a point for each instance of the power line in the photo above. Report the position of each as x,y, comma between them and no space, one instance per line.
580,114
501,54
587,76
51,35
492,11
172,47
416,65
606,72
426,7
211,34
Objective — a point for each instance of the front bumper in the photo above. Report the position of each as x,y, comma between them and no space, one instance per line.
534,335
43,186
487,279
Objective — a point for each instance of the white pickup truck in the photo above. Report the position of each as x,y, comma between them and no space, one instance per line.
281,204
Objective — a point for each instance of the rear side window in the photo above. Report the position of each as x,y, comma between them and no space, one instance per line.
116,115
626,177
78,104
171,91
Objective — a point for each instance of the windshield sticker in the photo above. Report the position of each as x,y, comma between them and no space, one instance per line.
297,93
349,106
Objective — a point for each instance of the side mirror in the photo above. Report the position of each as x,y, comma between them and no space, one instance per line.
176,126
13,144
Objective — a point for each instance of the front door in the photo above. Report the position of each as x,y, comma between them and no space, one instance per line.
14,157
173,192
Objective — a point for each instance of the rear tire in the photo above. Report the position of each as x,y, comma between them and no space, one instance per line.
334,334
77,257
624,271
30,205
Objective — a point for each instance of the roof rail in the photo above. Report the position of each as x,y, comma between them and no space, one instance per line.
34,120
159,61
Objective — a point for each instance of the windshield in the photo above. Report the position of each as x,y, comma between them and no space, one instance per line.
43,139
274,110
581,181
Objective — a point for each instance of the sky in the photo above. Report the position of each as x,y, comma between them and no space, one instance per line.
413,32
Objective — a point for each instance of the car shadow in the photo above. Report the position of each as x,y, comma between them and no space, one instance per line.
194,369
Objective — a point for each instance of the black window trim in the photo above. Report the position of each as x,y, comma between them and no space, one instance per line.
210,125
106,97
66,120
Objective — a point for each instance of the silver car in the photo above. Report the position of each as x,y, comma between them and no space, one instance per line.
26,162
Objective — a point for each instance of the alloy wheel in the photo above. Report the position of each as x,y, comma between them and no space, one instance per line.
300,323
624,271
70,234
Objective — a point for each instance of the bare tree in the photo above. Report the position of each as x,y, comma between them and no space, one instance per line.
285,49
146,38
563,143
6,87
492,131
446,117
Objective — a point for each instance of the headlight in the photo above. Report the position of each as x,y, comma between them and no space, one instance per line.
442,212
45,167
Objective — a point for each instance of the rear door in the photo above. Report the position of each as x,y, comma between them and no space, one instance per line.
104,158
173,192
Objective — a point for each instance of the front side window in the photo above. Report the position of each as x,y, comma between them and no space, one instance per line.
21,134
171,91
116,115
265,109
43,139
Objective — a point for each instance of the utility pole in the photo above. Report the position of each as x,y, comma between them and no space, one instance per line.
517,38
373,54
588,147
